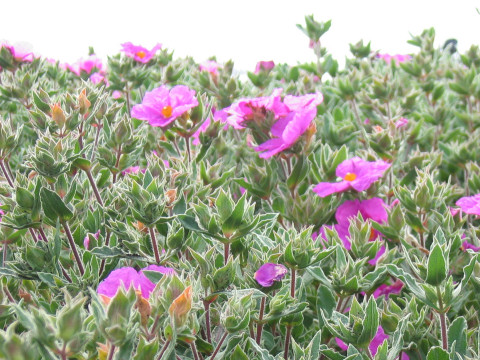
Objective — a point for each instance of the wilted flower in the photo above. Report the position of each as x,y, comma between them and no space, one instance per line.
161,106
470,204
264,66
385,289
269,272
398,58
356,173
139,53
378,340
128,276
210,66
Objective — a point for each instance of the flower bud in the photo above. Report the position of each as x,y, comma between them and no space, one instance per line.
181,306
58,115
83,102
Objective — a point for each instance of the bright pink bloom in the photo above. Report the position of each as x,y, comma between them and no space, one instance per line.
87,65
117,94
269,272
19,52
96,78
161,106
374,209
245,110
384,289
128,276
378,340
470,204
356,173
264,66
466,245
398,58
139,53
210,66
400,123
133,170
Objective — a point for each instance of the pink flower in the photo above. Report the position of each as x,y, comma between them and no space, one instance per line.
470,204
466,245
128,276
396,58
139,53
264,66
96,78
400,123
133,170
210,66
218,115
356,173
87,65
117,94
269,272
384,289
369,209
245,110
161,106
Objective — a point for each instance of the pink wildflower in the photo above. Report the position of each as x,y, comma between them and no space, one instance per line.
210,66
96,78
385,289
161,106
128,276
400,123
139,53
87,65
264,66
470,204
356,173
269,272
395,58
117,94
466,245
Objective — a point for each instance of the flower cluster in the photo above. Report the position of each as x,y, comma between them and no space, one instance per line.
139,53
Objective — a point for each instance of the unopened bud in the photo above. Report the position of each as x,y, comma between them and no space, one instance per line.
83,102
143,307
58,115
171,196
181,306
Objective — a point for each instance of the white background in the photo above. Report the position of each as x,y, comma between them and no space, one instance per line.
246,31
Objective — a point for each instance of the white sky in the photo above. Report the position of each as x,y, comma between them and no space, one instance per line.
246,31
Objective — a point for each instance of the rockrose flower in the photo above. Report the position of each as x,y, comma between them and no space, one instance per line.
466,245
89,65
369,209
470,204
386,290
139,53
282,121
264,66
162,106
19,53
398,58
210,66
400,123
356,173
128,276
269,272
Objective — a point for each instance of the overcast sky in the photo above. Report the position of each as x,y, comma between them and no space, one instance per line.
246,31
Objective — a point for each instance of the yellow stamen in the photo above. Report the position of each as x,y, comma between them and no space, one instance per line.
141,54
167,111
350,177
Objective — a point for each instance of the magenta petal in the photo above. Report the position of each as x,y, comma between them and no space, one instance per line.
145,285
324,188
341,344
374,209
380,252
470,204
384,289
127,276
378,340
269,272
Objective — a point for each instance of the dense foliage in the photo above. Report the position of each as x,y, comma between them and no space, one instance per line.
156,208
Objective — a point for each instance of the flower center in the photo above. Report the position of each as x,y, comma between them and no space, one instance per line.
141,54
350,177
167,111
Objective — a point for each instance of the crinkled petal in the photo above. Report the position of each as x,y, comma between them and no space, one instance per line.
127,276
375,209
269,272
325,188
470,204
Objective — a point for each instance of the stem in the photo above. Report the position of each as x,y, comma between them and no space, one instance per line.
127,97
339,305
287,341
194,350
9,170
73,247
154,244
4,254
96,143
443,320
80,137
9,295
292,283
187,142
165,346
226,253
5,173
119,153
94,186
32,233
111,352
206,305
260,318
102,264
217,349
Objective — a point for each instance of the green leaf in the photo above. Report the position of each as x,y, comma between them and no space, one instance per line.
53,206
370,323
224,205
436,267
262,353
457,336
437,353
41,105
24,198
